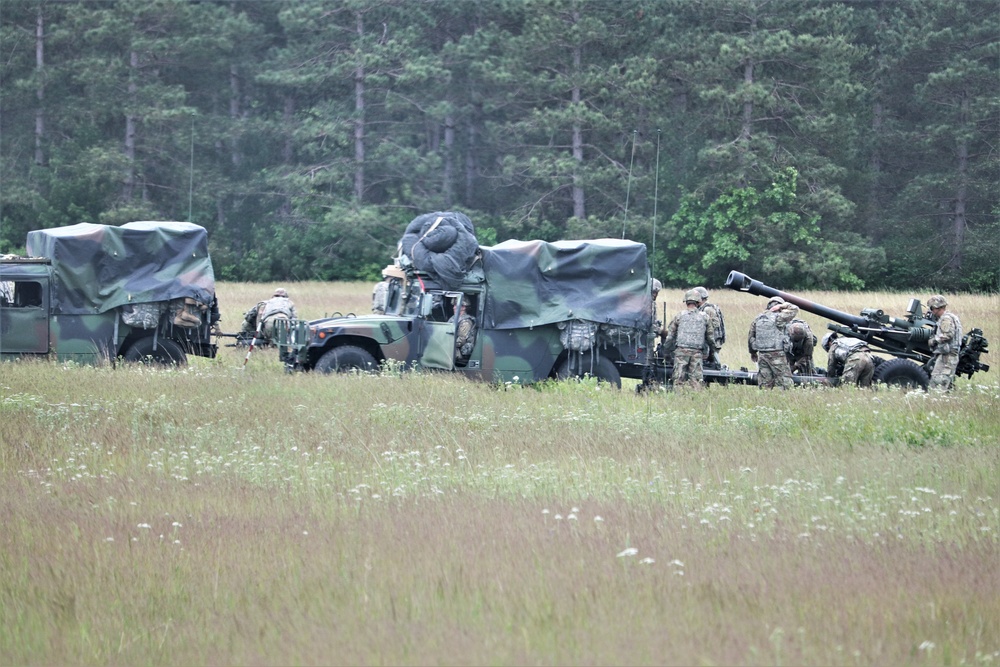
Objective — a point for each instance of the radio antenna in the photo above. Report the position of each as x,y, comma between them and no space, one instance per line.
656,186
628,187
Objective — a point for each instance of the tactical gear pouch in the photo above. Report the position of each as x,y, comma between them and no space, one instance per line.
142,315
577,335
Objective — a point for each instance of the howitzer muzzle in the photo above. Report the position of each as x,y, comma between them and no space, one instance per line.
739,281
744,283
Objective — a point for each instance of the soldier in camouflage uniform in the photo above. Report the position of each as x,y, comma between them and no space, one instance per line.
716,327
657,331
278,307
946,343
465,332
850,359
767,340
686,335
379,295
801,343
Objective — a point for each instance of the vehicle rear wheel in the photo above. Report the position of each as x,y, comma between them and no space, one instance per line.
901,373
579,366
168,352
345,359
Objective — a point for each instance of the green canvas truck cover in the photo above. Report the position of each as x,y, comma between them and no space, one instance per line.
97,268
532,283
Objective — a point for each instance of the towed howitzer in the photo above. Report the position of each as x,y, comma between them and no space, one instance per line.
906,338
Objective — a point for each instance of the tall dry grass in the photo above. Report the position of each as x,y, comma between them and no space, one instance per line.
222,515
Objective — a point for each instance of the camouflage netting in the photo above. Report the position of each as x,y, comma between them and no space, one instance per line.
537,282
99,267
442,245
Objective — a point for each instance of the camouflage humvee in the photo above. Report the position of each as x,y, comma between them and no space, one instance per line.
543,310
144,291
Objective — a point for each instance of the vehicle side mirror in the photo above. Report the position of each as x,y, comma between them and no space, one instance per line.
427,305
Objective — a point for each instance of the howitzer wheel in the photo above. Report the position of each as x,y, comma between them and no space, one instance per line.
346,358
578,366
167,353
901,373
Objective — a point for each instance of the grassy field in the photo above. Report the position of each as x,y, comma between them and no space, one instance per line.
227,515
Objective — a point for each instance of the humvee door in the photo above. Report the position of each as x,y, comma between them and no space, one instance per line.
24,315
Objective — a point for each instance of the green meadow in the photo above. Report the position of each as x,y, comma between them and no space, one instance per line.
227,514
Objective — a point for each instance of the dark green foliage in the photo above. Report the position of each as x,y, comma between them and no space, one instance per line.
304,135
763,232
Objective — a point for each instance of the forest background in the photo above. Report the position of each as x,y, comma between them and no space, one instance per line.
811,144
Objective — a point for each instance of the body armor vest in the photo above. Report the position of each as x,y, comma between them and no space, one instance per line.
275,305
769,338
691,329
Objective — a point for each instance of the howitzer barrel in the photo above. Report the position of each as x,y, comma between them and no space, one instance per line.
744,283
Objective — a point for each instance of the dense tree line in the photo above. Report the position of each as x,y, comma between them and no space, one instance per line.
809,143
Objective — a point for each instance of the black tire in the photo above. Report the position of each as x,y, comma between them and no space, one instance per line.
578,366
901,373
168,352
346,358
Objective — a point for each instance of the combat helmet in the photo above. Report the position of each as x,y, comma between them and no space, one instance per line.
692,296
773,300
797,330
702,292
937,301
828,341
281,291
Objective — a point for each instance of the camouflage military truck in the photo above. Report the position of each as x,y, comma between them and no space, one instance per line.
543,310
142,292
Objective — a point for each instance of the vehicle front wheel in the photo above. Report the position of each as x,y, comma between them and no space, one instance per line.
901,373
579,366
345,359
167,352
